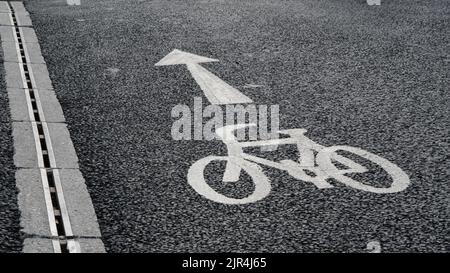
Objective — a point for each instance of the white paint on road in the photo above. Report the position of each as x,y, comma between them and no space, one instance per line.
374,247
309,167
216,90
374,2
73,2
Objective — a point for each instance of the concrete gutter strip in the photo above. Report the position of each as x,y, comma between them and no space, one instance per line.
32,203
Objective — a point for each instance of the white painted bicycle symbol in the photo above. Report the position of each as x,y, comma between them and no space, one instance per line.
321,165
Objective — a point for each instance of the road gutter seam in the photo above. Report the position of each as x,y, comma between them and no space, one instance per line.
71,224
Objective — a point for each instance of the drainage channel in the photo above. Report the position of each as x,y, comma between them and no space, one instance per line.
62,236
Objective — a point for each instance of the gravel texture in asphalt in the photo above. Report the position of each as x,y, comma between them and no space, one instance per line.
351,74
10,235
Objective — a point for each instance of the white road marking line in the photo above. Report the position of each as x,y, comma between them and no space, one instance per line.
50,212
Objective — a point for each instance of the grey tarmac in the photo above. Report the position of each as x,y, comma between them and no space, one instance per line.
351,74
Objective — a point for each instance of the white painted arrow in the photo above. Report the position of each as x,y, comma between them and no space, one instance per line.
216,90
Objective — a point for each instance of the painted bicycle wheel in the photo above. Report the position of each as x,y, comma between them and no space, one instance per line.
325,156
196,179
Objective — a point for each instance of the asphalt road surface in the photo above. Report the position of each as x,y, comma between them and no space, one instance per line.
373,77
10,236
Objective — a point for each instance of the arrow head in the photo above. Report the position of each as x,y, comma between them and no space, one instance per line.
181,57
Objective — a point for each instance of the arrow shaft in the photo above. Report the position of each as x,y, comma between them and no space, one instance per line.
215,89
